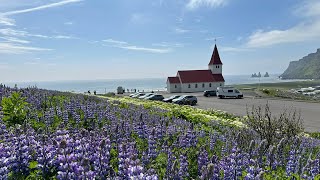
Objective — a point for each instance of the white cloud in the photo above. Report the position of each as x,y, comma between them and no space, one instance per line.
68,23
15,40
125,45
13,32
114,41
7,21
167,44
63,37
306,30
181,31
10,48
17,33
193,4
151,50
233,49
57,4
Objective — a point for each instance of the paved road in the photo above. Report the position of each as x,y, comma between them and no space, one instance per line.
310,112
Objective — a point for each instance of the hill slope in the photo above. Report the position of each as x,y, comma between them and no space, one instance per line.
306,68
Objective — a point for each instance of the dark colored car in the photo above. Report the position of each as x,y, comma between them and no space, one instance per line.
210,93
155,97
169,99
186,100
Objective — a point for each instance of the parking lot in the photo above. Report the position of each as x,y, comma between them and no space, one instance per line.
310,112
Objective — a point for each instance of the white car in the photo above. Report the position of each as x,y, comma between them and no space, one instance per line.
224,92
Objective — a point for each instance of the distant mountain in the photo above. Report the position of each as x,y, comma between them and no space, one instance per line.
306,68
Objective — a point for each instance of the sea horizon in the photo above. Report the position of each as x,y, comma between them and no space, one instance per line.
141,84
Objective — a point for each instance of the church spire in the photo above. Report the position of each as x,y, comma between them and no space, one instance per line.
215,58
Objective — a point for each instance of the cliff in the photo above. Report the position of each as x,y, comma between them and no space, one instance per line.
306,68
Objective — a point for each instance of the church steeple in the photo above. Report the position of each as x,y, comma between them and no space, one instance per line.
215,58
215,64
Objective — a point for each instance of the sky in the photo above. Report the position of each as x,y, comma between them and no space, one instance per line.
50,40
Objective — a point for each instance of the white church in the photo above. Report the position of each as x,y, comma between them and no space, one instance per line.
198,80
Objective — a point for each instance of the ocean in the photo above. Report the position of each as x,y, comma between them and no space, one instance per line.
155,84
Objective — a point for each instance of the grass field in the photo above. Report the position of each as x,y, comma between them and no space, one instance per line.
281,85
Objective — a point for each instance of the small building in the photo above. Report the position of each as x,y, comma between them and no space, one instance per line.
198,80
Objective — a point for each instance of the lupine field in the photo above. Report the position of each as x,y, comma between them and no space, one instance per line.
55,135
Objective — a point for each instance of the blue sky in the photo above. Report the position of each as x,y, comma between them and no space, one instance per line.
97,39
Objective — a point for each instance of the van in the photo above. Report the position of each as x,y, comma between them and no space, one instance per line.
224,92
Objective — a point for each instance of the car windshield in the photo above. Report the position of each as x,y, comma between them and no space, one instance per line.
181,97
173,97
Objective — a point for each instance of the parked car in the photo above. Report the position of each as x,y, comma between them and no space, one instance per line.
224,92
146,95
169,99
133,94
155,97
138,95
210,93
186,100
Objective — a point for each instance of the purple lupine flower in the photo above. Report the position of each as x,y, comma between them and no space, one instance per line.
183,170
152,154
291,164
279,155
315,169
202,159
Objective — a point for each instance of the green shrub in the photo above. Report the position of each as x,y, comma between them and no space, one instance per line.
273,128
14,109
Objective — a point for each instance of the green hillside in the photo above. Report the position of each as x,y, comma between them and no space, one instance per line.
306,68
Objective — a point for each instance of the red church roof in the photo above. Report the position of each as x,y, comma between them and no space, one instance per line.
215,58
196,76
174,80
218,77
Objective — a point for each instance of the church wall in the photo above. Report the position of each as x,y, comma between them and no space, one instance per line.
173,88
214,85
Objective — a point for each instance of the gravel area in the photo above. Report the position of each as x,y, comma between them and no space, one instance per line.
310,112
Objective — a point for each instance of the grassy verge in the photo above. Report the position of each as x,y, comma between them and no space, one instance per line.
281,85
195,115
280,90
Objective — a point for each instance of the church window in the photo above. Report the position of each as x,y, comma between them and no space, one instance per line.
196,86
175,86
189,86
203,85
210,85
220,84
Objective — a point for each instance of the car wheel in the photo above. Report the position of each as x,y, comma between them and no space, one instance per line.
180,103
208,95
193,103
